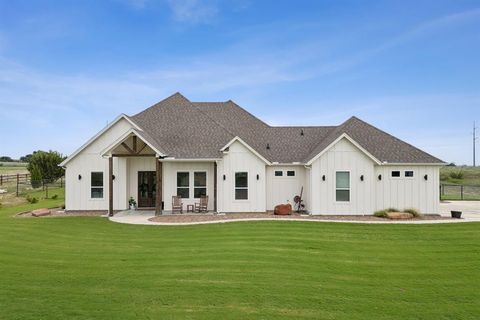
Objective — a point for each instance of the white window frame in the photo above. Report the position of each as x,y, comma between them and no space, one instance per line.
405,174
97,187
294,173
349,187
399,174
191,183
240,188
275,173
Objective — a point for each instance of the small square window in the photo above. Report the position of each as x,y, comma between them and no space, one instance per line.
409,174
278,173
291,173
396,174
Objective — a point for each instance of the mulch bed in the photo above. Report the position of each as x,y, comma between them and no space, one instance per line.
185,218
59,212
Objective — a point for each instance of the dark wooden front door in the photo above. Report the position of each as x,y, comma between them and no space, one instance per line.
146,189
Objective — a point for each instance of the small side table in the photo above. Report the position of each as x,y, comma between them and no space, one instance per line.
190,208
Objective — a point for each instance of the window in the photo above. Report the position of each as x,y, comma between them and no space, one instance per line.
199,184
183,184
395,174
241,185
291,173
409,174
342,186
278,173
96,183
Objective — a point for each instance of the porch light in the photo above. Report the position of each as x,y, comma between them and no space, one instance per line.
224,177
323,178
79,177
258,177
425,177
113,177
379,177
361,177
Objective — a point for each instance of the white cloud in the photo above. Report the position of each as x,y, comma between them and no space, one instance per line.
193,11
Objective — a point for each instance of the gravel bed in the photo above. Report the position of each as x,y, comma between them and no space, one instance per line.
179,218
59,212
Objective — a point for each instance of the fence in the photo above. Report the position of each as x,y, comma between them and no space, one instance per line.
20,184
18,177
459,192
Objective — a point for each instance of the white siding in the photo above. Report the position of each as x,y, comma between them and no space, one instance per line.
170,170
238,159
343,156
284,188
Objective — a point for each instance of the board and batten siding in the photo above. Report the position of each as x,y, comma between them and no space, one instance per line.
240,159
285,188
170,170
89,160
343,156
408,192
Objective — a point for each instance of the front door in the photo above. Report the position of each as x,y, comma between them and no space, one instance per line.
146,189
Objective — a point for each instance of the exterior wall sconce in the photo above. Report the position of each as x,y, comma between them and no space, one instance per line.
79,177
361,177
323,178
224,177
113,177
379,177
258,177
425,177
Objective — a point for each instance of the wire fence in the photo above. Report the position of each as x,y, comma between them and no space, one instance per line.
459,192
21,184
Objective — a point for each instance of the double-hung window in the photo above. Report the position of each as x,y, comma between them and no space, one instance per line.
241,185
96,185
342,186
183,184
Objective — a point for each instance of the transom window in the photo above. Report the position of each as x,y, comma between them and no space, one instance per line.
291,173
342,186
279,173
183,184
409,174
241,185
96,185
395,174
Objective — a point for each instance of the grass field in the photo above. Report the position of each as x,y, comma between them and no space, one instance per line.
13,167
90,268
471,175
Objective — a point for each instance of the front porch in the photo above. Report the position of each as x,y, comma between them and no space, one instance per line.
137,170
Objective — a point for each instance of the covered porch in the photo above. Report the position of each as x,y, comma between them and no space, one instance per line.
151,178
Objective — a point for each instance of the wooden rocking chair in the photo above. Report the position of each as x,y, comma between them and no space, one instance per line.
177,204
202,205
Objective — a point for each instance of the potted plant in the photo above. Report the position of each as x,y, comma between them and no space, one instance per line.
456,214
132,203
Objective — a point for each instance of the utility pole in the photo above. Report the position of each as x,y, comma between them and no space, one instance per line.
474,141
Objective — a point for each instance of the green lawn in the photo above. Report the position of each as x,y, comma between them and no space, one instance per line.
13,167
470,175
90,268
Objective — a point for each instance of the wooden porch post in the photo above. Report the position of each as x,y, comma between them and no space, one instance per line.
158,198
110,186
215,186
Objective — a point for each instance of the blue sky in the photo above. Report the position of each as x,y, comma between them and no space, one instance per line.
411,68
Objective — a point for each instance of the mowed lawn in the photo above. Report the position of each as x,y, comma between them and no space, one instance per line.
90,268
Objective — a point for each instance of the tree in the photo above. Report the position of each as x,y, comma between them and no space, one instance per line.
6,159
44,166
26,158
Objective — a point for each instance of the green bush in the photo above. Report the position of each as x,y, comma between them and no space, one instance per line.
413,212
1,164
456,174
31,199
383,213
55,196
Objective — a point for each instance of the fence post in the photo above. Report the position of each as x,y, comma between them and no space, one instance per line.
17,183
1,179
46,191
43,185
461,190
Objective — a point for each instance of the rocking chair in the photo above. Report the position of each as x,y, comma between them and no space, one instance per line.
177,204
202,205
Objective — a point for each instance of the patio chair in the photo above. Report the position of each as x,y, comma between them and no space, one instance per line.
202,205
177,204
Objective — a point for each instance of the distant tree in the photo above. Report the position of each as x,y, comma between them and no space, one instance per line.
451,164
26,158
6,159
44,166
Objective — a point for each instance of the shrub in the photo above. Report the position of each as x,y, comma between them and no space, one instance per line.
458,174
1,164
31,199
413,212
383,213
55,196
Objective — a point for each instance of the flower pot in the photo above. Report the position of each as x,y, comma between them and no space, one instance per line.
456,214
132,207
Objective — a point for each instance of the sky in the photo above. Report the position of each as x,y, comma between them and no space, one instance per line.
411,68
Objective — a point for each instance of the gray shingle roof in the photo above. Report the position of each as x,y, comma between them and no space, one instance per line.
191,130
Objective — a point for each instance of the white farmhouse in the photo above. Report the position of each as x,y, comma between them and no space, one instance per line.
189,149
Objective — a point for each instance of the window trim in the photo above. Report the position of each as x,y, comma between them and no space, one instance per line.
278,176
294,173
395,177
349,187
97,187
191,183
409,177
240,188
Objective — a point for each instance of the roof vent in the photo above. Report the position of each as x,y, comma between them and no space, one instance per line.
301,133
268,146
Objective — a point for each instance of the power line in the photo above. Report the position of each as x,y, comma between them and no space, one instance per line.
474,141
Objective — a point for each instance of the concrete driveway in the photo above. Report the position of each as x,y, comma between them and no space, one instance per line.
470,209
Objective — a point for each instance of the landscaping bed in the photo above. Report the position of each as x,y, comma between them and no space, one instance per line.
188,218
59,212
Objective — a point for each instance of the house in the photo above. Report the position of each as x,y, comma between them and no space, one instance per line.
179,147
